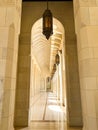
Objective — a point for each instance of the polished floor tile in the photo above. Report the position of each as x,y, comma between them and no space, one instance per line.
47,114
46,108
49,126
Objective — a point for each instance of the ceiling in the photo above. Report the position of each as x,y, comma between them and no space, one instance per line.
45,50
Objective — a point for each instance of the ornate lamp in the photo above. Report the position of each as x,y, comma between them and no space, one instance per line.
47,23
57,59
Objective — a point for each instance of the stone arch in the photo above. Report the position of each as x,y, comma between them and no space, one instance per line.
63,11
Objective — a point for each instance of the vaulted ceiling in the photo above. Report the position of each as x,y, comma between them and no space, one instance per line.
45,50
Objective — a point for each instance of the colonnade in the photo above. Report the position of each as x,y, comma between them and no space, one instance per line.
14,46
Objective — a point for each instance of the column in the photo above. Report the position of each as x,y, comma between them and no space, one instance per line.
86,26
10,12
61,78
31,89
42,87
23,82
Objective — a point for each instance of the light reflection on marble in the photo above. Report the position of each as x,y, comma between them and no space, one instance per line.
46,108
47,115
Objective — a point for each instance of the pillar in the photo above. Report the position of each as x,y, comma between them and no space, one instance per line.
10,12
56,83
34,85
23,82
74,111
86,27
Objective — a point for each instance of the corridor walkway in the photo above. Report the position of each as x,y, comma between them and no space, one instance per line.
46,108
47,114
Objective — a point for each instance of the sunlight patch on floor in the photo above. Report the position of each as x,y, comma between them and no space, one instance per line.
55,108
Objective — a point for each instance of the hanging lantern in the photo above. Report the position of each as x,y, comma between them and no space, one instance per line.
47,23
57,59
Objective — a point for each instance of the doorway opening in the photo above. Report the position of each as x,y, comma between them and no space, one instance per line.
46,83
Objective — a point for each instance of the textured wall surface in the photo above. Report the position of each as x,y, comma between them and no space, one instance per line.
10,15
86,21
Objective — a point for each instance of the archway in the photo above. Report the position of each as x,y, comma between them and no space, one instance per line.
43,54
61,10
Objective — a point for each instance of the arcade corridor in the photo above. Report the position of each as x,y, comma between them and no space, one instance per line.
49,84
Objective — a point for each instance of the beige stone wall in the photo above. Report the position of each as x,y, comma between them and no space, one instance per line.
86,24
10,12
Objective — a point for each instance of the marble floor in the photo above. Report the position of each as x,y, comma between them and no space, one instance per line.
48,114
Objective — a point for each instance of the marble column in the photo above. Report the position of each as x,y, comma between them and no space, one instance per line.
34,88
23,82
42,87
10,12
86,26
73,86
57,73
61,79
